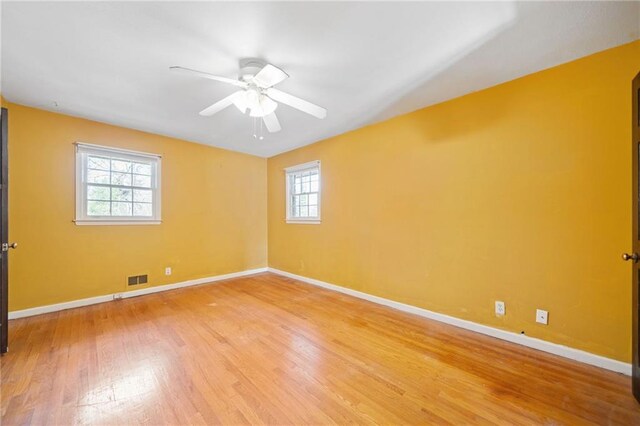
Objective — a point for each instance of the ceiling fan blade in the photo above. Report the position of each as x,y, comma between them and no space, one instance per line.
272,123
297,103
269,76
221,104
189,71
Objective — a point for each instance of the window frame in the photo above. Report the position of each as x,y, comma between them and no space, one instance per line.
83,150
297,169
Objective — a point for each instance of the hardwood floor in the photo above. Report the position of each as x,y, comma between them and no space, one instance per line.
267,349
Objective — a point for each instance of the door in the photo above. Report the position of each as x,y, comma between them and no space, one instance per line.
635,142
4,232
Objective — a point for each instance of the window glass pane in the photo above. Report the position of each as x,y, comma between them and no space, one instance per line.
97,176
98,163
121,179
121,209
98,192
304,193
142,169
143,195
117,185
120,194
121,166
143,181
98,208
142,209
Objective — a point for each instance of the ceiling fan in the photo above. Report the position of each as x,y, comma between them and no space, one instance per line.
257,94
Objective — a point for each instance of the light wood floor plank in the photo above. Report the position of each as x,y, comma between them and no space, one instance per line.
268,349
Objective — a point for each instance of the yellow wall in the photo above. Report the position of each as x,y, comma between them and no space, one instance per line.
519,193
213,212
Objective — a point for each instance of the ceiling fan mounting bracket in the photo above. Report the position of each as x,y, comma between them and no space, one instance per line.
249,67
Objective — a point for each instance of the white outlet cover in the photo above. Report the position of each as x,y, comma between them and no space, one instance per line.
500,308
542,316
167,271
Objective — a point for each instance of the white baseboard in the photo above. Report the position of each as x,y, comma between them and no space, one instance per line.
126,294
532,342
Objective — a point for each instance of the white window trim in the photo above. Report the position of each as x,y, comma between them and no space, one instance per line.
299,168
81,216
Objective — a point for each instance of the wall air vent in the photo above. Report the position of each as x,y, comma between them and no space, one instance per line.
137,279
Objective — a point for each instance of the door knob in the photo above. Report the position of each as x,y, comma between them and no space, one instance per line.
633,256
7,246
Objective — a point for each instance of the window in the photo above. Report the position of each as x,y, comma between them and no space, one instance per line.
303,193
116,186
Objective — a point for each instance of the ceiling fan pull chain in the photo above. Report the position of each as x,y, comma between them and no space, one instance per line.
261,137
254,128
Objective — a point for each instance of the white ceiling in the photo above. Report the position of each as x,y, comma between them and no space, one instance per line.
364,62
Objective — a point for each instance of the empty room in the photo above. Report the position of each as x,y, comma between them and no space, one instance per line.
310,213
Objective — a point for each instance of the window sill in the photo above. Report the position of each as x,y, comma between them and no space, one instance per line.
304,222
117,222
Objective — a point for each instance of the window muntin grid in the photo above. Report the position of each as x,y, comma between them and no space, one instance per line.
118,187
115,186
303,193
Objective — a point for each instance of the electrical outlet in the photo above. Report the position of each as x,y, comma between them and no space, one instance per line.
500,308
167,270
542,317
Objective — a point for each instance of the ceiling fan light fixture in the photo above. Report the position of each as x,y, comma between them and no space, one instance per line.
257,94
253,98
262,106
241,102
268,105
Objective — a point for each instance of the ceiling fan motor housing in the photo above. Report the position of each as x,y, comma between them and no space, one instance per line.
249,67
